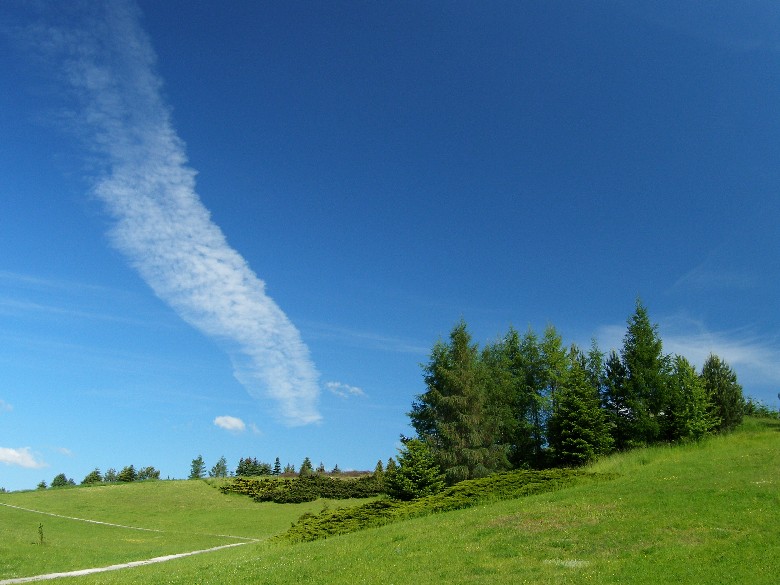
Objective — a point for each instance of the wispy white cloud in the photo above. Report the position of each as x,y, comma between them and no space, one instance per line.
64,451
230,423
344,390
5,407
20,457
161,225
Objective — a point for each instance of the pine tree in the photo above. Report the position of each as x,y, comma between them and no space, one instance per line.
453,415
59,481
197,468
616,403
510,401
127,474
690,410
578,429
725,393
110,476
92,477
417,474
277,467
306,468
220,468
646,383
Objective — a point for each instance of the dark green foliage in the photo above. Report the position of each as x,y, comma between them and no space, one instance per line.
690,410
147,473
110,476
41,485
251,467
616,403
417,474
277,470
197,468
61,481
646,383
127,474
306,468
303,489
578,430
220,468
501,486
455,416
724,393
92,477
289,468
757,408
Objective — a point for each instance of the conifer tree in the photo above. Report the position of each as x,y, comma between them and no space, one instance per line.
725,393
92,477
616,403
646,384
277,467
690,410
453,415
578,429
197,468
306,468
220,468
417,474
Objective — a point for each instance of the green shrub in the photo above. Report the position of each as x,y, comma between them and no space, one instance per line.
500,486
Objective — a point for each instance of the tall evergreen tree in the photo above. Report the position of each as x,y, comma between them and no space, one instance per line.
453,415
646,384
197,468
277,470
306,468
725,393
510,402
578,429
690,410
220,468
534,372
616,403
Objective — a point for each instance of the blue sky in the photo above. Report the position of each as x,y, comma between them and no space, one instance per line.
240,231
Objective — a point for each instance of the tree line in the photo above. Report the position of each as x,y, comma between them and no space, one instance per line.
527,401
252,467
127,474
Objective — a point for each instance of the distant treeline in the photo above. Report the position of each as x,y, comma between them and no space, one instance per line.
126,475
530,402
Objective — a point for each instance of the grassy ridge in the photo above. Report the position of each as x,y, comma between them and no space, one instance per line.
700,513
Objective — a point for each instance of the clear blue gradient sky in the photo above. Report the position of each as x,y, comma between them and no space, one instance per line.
239,231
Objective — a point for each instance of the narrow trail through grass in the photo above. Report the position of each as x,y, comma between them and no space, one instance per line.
115,567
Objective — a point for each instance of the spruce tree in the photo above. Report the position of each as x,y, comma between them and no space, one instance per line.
725,393
646,383
616,403
306,468
578,430
690,410
220,468
512,402
197,468
277,467
417,474
453,416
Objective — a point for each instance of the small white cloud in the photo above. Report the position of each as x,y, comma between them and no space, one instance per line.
344,390
21,457
64,451
5,407
230,423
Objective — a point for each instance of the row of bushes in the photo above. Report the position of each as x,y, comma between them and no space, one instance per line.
303,489
500,486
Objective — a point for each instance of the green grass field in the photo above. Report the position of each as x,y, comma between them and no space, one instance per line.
699,513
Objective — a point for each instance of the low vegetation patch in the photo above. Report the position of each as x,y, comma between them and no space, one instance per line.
297,490
500,486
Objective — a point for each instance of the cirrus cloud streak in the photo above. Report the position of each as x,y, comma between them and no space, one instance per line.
161,225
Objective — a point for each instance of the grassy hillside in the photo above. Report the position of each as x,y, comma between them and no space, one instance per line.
702,513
